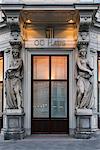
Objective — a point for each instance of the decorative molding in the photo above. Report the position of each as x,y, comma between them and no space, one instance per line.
85,19
13,23
85,22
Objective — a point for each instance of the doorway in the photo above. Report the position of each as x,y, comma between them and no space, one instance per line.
50,94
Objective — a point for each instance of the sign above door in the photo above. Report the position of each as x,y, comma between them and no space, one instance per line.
50,43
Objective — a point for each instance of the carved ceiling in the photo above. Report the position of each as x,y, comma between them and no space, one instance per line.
50,17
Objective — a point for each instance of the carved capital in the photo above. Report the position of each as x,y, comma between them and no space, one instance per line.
85,19
85,22
17,44
12,18
13,22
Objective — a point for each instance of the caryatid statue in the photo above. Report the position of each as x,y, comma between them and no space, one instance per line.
84,97
13,80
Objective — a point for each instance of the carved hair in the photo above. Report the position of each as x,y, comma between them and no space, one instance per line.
16,46
82,46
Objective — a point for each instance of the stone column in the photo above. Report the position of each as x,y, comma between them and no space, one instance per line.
13,114
86,97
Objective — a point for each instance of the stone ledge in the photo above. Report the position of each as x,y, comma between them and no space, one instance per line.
8,135
83,135
84,112
11,112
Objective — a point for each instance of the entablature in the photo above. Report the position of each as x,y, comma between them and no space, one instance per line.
70,6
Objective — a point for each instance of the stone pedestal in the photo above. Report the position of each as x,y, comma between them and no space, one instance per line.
13,124
83,123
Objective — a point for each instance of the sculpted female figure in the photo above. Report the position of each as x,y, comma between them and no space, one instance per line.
84,81
13,80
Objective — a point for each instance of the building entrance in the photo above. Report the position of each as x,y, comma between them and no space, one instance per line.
50,94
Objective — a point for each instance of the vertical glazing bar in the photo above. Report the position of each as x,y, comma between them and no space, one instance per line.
49,87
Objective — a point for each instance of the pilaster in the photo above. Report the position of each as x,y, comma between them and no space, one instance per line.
13,115
86,119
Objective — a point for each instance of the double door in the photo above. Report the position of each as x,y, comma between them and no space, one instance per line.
50,94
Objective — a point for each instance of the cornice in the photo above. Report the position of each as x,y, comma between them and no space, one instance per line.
75,6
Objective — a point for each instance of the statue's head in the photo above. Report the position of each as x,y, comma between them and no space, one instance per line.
84,35
15,51
83,50
16,47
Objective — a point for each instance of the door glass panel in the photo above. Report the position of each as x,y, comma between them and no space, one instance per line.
99,96
59,99
99,82
99,70
1,86
40,99
41,67
58,67
1,68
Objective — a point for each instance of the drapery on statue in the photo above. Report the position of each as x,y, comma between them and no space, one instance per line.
84,81
13,80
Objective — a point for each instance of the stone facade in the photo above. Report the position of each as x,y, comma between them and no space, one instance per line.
17,119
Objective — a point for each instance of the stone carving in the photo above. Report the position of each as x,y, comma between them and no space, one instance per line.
85,19
13,80
84,35
84,81
15,36
97,15
13,20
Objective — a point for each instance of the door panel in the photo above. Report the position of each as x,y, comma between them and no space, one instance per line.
59,99
58,67
50,126
49,94
41,99
41,67
40,125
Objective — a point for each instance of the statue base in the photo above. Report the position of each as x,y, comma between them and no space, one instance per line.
83,135
83,123
13,124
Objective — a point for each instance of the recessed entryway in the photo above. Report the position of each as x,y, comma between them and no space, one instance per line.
50,96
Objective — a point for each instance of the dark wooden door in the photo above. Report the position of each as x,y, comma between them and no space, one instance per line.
50,94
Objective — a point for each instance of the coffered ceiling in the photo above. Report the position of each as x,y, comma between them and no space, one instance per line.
50,17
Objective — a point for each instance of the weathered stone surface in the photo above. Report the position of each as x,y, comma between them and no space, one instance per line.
84,93
83,135
84,112
84,123
14,128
